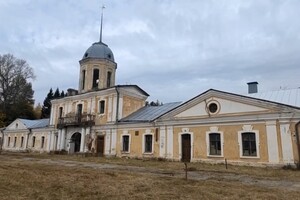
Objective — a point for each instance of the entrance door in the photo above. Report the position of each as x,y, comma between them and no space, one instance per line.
100,145
76,139
186,148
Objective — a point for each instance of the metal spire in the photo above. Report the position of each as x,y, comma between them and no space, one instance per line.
101,23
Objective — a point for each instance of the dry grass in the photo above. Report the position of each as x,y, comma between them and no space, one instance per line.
24,179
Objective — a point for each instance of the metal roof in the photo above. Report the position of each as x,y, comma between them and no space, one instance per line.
38,123
99,50
285,96
150,113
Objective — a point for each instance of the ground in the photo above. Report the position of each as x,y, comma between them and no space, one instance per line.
41,176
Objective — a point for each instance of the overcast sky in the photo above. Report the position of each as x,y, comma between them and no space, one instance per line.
173,49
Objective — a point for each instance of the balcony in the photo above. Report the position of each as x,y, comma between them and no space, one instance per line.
76,120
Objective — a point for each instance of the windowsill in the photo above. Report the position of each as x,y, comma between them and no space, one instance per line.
148,153
125,152
215,156
249,157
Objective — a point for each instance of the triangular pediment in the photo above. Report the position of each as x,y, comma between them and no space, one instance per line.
16,125
226,104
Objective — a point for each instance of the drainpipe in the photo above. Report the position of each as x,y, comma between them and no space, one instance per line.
117,110
297,126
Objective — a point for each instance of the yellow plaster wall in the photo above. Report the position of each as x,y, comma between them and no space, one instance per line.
131,104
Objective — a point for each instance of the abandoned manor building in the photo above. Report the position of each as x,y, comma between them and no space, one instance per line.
102,117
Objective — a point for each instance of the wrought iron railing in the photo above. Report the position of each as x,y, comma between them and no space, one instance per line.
76,120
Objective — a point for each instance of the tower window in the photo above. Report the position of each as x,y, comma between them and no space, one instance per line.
83,79
95,78
108,79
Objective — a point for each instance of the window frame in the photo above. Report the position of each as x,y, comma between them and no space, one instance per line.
208,133
240,140
144,143
8,141
22,142
100,107
122,143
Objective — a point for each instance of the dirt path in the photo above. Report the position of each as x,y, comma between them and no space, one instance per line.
193,175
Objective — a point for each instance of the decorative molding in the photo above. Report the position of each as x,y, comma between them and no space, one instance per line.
214,129
247,128
185,130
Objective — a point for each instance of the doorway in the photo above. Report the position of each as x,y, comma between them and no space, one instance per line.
75,140
100,145
186,148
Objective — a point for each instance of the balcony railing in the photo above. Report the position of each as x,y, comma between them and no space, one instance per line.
76,120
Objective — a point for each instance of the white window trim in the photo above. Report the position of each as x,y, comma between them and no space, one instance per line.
129,143
241,143
208,144
143,143
99,106
185,131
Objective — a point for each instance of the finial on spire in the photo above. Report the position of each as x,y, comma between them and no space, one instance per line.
101,23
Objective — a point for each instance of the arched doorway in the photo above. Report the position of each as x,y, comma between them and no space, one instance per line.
75,142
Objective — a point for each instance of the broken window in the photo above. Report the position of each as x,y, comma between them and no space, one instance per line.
125,143
249,144
95,78
101,106
214,144
148,143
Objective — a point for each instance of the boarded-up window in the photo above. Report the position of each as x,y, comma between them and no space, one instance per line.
148,143
125,143
249,144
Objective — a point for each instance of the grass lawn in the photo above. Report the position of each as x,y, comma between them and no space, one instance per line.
24,179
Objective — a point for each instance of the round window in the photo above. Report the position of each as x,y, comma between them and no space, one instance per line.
213,107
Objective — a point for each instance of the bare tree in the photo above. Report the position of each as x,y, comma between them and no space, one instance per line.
15,89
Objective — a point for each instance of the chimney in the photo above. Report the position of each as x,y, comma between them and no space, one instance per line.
72,92
252,87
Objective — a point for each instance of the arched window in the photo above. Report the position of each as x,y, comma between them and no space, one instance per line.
215,144
83,79
43,142
249,144
33,141
95,78
22,141
8,141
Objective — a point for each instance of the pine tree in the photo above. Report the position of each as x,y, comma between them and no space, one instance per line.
56,94
62,94
46,109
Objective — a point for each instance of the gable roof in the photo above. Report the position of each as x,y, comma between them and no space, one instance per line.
150,113
38,123
287,96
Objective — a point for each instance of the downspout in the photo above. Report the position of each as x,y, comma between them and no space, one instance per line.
118,100
297,126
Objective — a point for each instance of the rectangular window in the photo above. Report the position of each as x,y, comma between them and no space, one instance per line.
43,142
83,79
60,112
33,141
22,141
95,78
101,107
8,141
108,79
125,143
214,144
148,143
79,109
15,142
249,144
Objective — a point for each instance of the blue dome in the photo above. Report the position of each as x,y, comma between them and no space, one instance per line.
99,50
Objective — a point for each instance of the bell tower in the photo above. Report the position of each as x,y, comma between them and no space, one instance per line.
97,67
